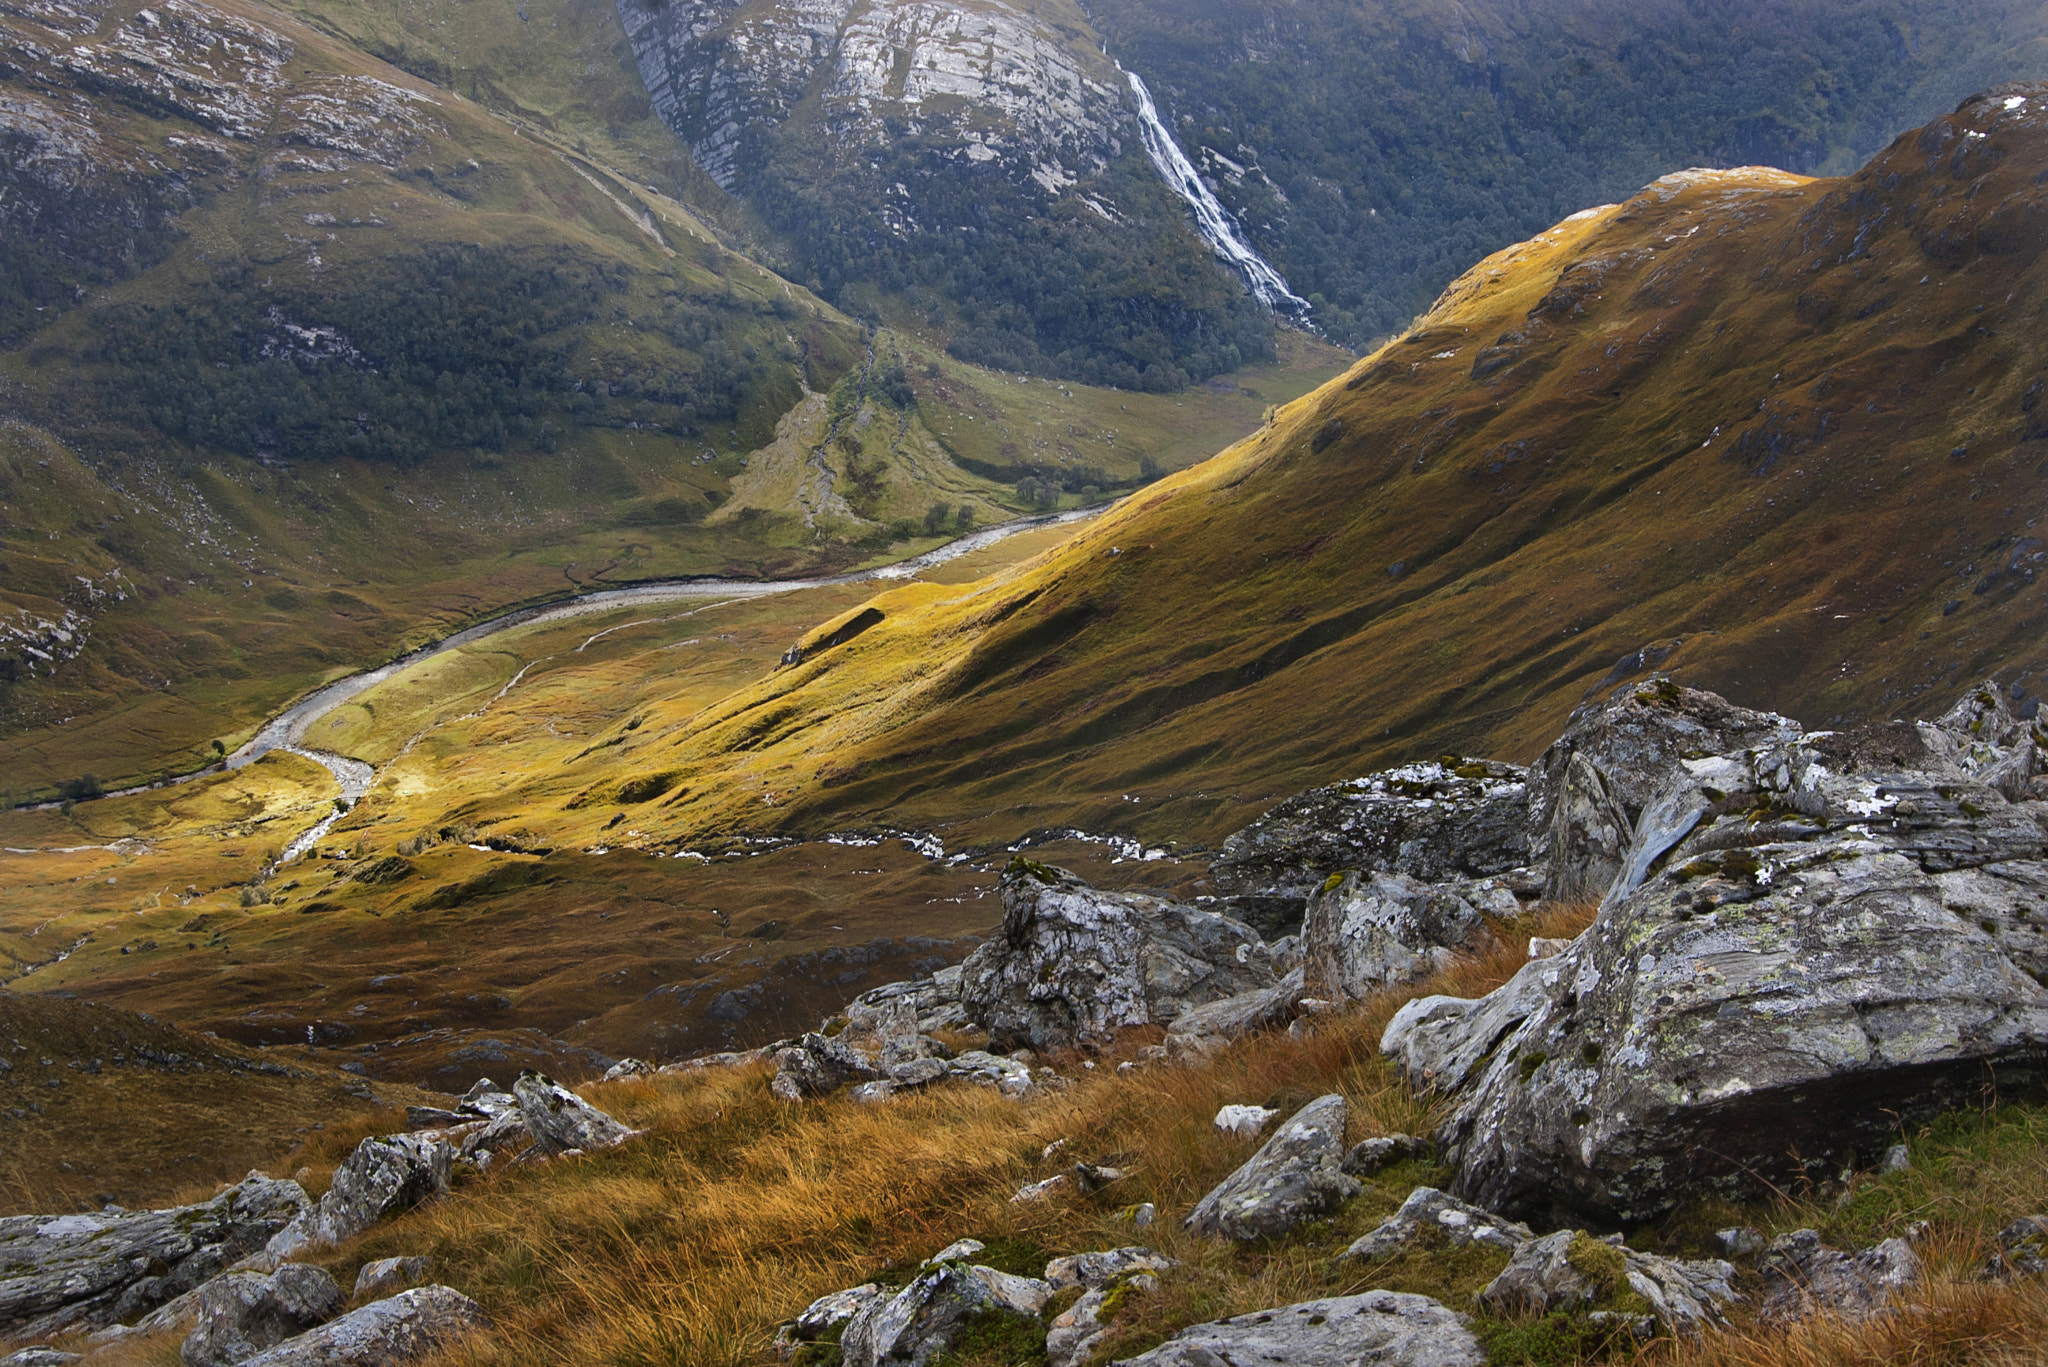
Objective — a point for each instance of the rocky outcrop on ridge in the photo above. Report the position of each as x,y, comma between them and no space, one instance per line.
68,1271
1802,941
407,1325
1377,1329
1073,964
384,1176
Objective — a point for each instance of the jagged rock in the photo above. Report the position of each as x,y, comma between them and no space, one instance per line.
91,1270
920,1322
1092,1270
739,1059
1013,1079
884,1035
407,1325
825,1315
1295,1177
935,1001
1071,1337
1377,1329
387,1275
1742,1241
244,1313
560,1120
1235,1017
2022,1248
1573,1270
1982,738
1801,1275
629,1067
1368,1157
1365,932
1243,1121
1431,822
817,1065
40,1355
488,1100
434,1118
384,1176
1629,745
1073,964
1431,1217
504,1136
1791,977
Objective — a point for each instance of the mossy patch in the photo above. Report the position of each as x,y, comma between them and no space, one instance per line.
1560,1339
994,1338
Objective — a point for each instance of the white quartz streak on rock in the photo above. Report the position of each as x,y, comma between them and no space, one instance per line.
1212,220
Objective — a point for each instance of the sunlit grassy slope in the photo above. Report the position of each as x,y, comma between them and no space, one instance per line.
1785,430
181,551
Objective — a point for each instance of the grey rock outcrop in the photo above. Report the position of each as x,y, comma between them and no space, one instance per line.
408,1325
244,1313
1798,953
1296,1176
388,1275
69,1271
385,1176
1073,964
1801,1275
1433,822
934,1001
922,1321
1431,1219
1366,932
1119,1272
1572,1270
560,1120
2022,1249
40,1355
1203,1028
1377,1329
1369,1157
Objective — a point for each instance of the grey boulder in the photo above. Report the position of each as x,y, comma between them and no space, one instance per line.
387,1275
1377,1329
1799,955
1572,1270
1434,822
1431,1219
1073,964
66,1271
2022,1249
1368,932
385,1176
560,1120
408,1325
1095,1270
825,1316
1370,1157
1204,1028
243,1313
923,1320
1295,1177
1801,1275
40,1355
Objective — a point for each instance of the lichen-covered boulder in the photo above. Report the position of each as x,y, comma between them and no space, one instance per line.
1802,1276
1797,956
1435,822
560,1120
1433,1219
2022,1249
925,1319
244,1313
1203,1028
1377,1329
388,1275
1368,932
1572,1270
81,1270
384,1176
408,1325
1295,1177
1073,964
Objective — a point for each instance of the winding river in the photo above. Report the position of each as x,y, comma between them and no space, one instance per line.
287,730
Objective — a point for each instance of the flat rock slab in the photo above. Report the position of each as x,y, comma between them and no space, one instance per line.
922,1321
1297,1176
1377,1329
560,1120
408,1325
1430,1219
244,1313
1801,1275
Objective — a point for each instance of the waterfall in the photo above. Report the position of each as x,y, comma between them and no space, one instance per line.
1212,220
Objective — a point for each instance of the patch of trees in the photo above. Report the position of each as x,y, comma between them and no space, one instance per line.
451,348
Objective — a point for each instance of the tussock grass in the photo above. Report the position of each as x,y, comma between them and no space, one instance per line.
734,1210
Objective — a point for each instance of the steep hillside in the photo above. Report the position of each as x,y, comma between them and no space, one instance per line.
1778,436
1373,151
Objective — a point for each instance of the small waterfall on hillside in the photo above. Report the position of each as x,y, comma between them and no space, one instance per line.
1212,220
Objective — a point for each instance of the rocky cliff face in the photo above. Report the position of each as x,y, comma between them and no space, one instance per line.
986,151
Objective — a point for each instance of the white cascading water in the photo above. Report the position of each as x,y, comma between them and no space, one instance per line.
1212,220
